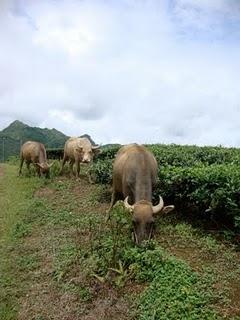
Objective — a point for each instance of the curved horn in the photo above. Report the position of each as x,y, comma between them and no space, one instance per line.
39,165
49,165
127,205
95,147
159,206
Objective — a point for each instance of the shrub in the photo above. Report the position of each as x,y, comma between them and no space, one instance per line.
178,155
195,178
101,171
108,152
55,153
199,188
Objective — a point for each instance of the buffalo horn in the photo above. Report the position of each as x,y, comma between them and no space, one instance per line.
159,206
127,205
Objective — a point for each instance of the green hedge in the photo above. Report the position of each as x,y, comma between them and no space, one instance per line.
55,153
204,183
199,188
178,155
174,155
108,152
101,171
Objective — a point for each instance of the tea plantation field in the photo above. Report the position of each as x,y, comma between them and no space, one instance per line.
62,259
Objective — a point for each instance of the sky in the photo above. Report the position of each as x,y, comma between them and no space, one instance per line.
145,71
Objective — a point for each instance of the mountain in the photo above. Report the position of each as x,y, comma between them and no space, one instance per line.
17,130
12,137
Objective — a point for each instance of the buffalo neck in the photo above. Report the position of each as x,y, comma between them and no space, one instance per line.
143,187
42,156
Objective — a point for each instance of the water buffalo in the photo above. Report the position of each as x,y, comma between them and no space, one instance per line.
134,175
35,152
78,150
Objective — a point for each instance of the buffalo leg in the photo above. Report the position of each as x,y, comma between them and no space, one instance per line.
90,180
20,168
77,165
38,170
77,168
71,167
28,166
63,163
113,199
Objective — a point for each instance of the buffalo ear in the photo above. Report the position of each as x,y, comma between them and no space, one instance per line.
168,209
97,151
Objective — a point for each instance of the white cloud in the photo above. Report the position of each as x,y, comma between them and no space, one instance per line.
143,71
215,18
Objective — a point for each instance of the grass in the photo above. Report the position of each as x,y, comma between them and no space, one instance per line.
16,197
61,260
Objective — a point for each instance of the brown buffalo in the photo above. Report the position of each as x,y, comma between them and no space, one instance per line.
35,152
78,150
134,175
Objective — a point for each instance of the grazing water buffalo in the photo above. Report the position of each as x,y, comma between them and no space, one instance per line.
134,175
35,152
78,150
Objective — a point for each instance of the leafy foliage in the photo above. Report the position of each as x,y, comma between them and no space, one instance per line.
199,188
108,152
177,155
174,289
193,178
101,171
185,156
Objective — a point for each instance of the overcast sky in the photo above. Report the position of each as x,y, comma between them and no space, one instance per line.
123,71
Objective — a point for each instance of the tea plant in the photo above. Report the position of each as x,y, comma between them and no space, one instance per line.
200,179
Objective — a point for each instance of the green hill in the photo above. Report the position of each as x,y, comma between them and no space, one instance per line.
12,137
51,138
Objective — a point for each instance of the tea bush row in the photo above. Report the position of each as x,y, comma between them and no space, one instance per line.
194,187
178,155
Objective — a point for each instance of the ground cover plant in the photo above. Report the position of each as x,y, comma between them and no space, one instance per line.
62,260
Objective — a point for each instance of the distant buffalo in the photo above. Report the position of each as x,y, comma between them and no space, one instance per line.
78,150
35,152
134,175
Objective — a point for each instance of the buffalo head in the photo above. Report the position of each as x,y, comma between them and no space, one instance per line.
44,168
87,152
143,217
